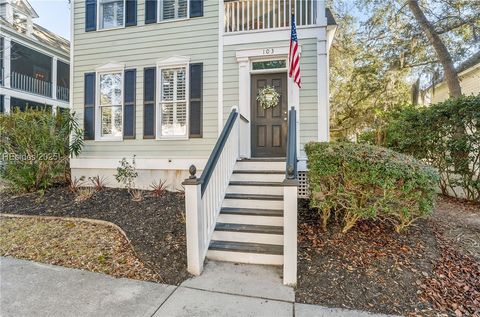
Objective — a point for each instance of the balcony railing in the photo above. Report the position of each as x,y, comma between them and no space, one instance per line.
30,84
251,15
62,93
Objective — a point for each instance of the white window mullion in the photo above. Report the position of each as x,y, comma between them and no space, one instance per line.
160,10
175,92
115,14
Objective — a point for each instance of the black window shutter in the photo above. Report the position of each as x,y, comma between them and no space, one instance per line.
196,8
196,103
89,109
150,11
149,103
131,12
90,15
129,104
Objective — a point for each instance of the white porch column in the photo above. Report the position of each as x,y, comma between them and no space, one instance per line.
290,189
321,17
322,89
195,223
54,77
6,103
244,104
7,44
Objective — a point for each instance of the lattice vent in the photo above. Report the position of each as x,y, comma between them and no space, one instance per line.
303,191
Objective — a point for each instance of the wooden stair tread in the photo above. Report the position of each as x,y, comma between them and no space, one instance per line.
239,171
247,247
253,196
253,183
235,227
251,212
264,159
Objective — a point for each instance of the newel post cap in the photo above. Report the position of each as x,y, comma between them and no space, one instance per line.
193,171
192,179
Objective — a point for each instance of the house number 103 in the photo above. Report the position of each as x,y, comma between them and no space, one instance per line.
268,51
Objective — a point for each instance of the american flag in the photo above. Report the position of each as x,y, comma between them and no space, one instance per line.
294,56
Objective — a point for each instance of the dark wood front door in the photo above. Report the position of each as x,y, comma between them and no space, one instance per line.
269,126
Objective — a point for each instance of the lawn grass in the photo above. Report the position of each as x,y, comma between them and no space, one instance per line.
72,243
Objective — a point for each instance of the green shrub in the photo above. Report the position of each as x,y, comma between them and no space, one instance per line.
35,147
367,137
361,181
445,135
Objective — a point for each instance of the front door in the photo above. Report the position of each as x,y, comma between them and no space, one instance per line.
269,126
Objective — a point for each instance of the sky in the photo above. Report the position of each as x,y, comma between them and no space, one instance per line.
54,15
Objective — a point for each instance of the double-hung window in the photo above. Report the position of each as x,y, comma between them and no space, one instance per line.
173,102
110,103
111,13
173,9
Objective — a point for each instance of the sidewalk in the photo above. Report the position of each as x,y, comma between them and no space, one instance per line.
224,289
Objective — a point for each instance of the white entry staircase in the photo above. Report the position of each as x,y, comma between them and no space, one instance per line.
243,210
249,228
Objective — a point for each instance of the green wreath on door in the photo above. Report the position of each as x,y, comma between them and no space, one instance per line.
268,97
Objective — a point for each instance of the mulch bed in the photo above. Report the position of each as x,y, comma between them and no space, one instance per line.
155,225
420,272
78,244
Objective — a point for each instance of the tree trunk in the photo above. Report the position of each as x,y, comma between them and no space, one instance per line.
443,55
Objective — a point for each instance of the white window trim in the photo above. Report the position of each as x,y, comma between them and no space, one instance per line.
99,28
107,69
159,11
172,62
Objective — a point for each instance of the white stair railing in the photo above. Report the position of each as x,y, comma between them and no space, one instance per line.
204,195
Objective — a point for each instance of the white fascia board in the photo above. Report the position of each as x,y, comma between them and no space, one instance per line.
262,36
33,97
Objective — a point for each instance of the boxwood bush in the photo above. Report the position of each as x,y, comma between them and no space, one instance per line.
445,135
360,181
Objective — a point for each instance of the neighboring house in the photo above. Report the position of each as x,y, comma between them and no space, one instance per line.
469,75
157,80
34,63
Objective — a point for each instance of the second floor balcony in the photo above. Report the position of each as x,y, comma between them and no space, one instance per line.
30,84
257,15
36,73
37,86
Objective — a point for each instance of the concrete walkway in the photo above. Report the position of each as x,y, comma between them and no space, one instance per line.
224,289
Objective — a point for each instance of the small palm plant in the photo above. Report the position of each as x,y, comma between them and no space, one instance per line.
36,146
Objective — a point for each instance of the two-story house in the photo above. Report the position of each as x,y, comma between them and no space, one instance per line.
157,79
34,62
182,82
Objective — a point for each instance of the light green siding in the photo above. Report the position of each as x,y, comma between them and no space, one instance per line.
142,46
308,94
